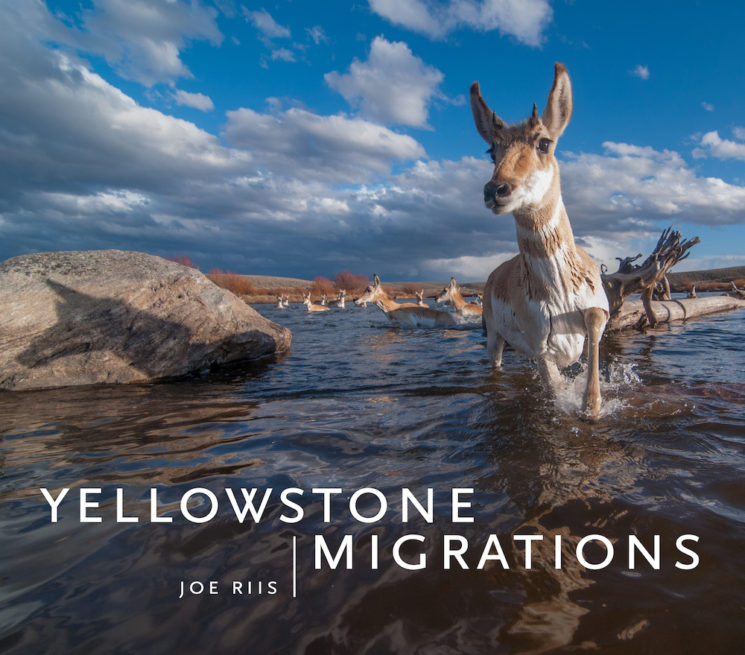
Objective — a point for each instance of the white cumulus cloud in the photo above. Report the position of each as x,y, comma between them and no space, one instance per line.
391,86
270,29
525,20
712,145
142,39
195,100
309,146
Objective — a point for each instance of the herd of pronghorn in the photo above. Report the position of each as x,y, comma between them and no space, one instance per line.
408,314
547,301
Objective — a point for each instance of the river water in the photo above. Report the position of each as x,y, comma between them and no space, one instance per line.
359,404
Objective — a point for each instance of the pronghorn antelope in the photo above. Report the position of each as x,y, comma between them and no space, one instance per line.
324,300
547,299
405,314
280,304
312,307
339,302
420,298
285,301
451,294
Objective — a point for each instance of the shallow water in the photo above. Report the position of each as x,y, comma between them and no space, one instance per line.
359,404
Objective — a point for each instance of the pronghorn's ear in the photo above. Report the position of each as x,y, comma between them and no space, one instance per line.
376,280
453,283
487,122
558,109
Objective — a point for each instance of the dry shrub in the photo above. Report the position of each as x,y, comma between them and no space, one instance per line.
322,285
238,284
713,286
350,281
184,260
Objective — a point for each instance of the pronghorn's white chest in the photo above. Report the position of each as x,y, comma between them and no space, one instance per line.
550,324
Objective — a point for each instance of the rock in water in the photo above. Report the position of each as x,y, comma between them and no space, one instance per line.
108,316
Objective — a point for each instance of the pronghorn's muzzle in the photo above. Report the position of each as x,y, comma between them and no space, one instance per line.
496,193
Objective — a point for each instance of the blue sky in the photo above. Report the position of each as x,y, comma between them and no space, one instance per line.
306,138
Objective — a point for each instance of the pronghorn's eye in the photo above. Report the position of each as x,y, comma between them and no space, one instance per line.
544,145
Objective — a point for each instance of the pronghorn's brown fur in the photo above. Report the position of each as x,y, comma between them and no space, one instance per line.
549,298
451,293
375,293
405,314
311,306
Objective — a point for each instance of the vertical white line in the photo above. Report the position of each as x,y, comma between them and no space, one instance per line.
294,567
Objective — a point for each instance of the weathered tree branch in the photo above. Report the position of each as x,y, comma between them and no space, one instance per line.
643,278
736,293
633,313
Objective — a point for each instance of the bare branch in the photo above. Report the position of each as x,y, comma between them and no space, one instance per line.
642,278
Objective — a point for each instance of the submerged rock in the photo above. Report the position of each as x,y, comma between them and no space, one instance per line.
109,316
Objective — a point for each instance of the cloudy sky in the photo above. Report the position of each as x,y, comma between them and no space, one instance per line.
305,138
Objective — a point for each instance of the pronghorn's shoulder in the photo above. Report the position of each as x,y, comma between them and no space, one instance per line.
502,279
593,281
588,263
589,269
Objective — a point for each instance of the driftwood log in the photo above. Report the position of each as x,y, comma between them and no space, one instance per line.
645,277
736,293
633,313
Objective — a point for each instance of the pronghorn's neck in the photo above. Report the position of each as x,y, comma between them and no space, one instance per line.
385,302
459,302
548,253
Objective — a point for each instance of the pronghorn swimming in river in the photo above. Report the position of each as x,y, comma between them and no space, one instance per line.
545,301
311,307
339,302
420,298
405,314
453,295
280,304
324,300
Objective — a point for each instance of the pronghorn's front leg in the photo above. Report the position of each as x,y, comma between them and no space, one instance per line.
494,347
549,372
595,319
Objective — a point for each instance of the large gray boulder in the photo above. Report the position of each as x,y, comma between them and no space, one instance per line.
108,316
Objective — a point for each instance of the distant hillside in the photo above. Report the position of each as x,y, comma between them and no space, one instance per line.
272,282
712,275
261,288
430,288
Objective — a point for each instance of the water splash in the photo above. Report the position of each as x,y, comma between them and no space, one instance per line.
616,380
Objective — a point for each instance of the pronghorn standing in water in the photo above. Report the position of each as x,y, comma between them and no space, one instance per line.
312,307
420,299
405,314
545,301
339,302
453,295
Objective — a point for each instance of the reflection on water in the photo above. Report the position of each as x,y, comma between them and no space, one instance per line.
358,404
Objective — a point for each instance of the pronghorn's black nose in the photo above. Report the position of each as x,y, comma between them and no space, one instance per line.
493,191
